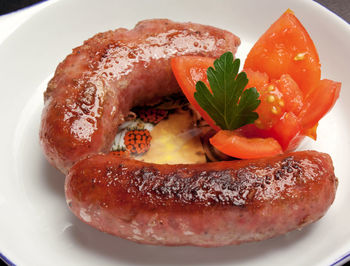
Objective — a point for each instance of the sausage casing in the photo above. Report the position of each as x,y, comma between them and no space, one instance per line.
213,204
94,88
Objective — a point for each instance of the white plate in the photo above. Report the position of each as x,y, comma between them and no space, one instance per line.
36,227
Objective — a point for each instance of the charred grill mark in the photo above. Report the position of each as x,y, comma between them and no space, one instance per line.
225,187
214,187
290,169
278,174
158,201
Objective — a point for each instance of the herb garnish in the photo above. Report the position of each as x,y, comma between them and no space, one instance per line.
229,105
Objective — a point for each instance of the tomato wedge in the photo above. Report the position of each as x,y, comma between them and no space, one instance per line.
287,131
292,95
277,97
286,48
256,79
234,144
319,102
188,70
311,132
284,67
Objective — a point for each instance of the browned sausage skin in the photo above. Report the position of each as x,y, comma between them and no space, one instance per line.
94,87
212,204
206,205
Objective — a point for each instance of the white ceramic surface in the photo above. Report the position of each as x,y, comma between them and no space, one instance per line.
36,227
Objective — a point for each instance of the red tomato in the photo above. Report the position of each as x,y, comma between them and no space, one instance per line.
319,102
188,70
256,79
277,97
284,67
281,100
286,48
292,95
311,132
269,112
270,109
236,145
296,117
287,131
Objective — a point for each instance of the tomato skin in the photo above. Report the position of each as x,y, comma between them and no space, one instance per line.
311,132
234,144
319,102
284,67
291,127
287,131
286,48
287,101
188,70
292,121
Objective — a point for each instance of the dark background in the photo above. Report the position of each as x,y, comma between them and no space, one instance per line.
340,7
7,6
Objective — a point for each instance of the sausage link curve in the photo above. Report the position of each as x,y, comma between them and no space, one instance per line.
213,204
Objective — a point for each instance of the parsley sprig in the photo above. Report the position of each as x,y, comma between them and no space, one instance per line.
229,105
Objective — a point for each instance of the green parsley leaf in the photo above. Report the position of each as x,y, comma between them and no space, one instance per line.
229,105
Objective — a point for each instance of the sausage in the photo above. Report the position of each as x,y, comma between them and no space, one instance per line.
213,204
94,87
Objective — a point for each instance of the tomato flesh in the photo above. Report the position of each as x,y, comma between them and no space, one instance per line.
287,131
188,70
234,144
292,95
277,97
319,102
270,109
284,67
256,79
286,48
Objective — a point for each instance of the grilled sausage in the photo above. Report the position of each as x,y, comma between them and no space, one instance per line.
94,87
213,204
